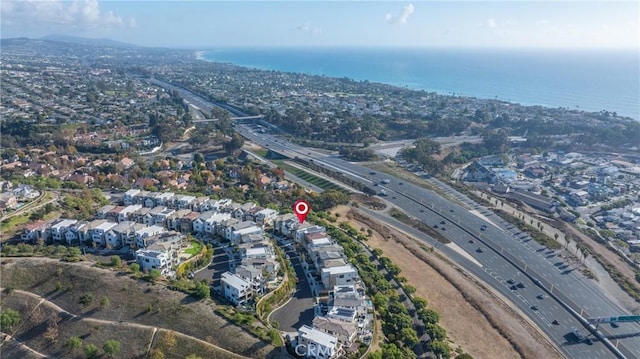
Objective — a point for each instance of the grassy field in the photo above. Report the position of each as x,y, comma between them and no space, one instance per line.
11,225
128,302
313,179
194,248
262,152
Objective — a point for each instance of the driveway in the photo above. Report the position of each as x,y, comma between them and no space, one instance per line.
213,272
299,310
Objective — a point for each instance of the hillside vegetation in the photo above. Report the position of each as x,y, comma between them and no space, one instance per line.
58,300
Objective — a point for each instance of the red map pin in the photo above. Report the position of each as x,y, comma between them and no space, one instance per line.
301,209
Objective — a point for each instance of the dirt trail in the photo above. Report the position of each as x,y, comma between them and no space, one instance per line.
6,338
44,301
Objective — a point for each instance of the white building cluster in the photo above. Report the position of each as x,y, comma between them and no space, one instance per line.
343,313
155,224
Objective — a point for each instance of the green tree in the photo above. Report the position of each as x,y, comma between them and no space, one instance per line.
235,143
202,290
409,289
428,316
116,261
224,123
409,337
154,274
419,302
436,332
440,349
74,343
9,318
86,299
134,267
111,348
91,351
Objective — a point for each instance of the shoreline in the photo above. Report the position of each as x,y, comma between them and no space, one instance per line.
205,55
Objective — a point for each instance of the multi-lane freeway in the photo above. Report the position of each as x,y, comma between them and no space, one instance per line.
539,282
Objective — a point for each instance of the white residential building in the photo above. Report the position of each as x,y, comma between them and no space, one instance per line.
58,229
78,232
35,231
266,217
149,259
313,343
286,224
130,197
235,232
161,218
305,229
236,289
183,201
345,332
199,223
342,275
98,230
145,232
345,315
214,224
127,213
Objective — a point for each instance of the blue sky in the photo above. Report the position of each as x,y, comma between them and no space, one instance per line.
210,24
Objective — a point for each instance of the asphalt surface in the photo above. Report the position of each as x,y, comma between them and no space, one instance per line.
299,310
505,254
213,272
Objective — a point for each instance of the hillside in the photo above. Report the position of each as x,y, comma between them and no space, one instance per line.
47,294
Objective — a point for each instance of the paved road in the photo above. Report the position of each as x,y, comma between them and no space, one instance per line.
213,272
299,310
583,295
504,252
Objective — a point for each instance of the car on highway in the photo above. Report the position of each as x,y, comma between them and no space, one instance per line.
534,307
521,285
511,281
479,250
483,227
540,296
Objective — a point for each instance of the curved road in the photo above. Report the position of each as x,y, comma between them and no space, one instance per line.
502,251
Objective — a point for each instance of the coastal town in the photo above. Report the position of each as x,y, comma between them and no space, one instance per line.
109,154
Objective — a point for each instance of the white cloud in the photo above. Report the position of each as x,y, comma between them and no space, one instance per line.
401,18
308,28
491,23
76,14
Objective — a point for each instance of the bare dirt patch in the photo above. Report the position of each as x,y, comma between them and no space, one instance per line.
129,301
475,320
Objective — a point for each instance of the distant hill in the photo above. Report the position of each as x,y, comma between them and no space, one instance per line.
88,41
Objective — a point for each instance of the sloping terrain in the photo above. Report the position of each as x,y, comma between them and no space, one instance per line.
133,313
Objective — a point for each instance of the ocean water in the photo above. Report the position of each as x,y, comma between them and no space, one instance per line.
587,80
